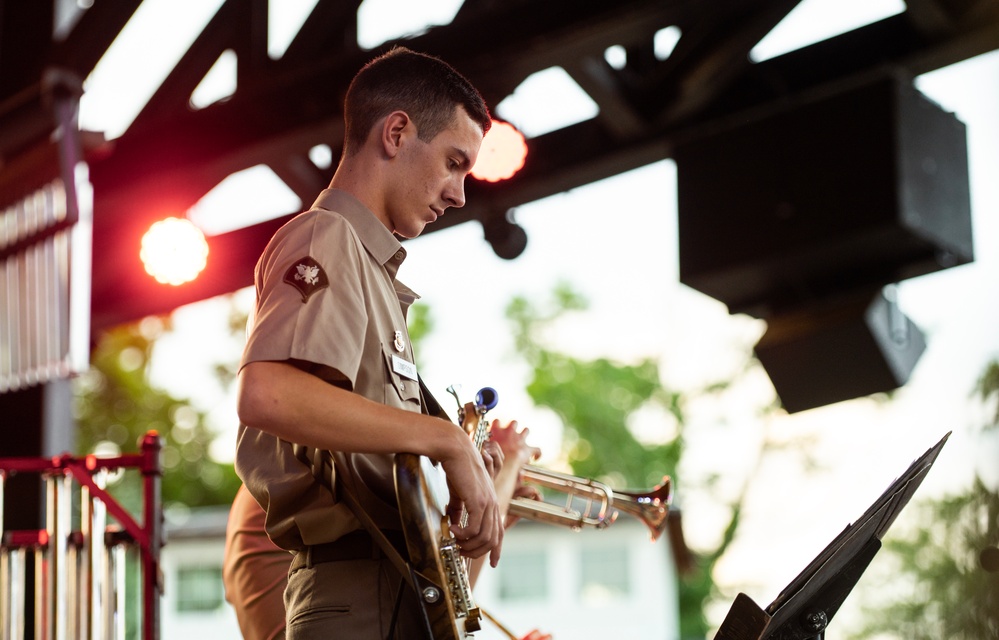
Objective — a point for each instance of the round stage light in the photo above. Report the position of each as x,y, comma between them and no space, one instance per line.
174,251
502,153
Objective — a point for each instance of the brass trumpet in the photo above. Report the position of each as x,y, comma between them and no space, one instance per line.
592,504
588,503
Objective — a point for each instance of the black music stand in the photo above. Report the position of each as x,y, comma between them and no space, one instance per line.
805,607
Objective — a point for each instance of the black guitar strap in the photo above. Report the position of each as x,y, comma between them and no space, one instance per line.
430,404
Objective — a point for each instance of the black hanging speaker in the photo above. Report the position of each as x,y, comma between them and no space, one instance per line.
839,350
842,190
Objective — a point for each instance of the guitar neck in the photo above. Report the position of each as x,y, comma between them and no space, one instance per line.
479,432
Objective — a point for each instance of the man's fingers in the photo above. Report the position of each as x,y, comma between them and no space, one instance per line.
492,458
469,532
528,491
485,535
494,554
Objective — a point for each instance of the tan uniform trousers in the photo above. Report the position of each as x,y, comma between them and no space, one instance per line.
350,600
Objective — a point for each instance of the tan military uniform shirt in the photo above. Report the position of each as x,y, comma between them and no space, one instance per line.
328,301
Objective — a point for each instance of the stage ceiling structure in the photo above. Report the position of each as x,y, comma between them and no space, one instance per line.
172,155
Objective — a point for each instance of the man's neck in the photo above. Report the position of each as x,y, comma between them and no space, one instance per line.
364,186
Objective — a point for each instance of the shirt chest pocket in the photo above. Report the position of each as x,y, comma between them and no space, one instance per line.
402,388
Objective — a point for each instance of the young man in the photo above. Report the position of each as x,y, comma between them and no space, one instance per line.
328,365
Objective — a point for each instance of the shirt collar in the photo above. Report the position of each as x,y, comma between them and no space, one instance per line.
379,241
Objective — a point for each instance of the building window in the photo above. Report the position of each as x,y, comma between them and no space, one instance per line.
199,589
523,575
604,574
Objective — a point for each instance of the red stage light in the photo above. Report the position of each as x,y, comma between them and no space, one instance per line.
502,154
174,251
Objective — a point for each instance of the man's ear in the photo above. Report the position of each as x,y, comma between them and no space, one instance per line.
394,129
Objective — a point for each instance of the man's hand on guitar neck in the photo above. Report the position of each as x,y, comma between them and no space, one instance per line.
470,477
482,485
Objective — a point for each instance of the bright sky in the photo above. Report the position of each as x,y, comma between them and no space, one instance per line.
616,242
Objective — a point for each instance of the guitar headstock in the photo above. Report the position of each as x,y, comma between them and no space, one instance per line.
471,415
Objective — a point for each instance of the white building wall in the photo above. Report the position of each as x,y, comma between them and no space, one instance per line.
649,610
218,623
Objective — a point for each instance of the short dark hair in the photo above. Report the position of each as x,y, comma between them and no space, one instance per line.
428,89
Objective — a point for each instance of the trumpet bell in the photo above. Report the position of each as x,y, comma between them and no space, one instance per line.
651,507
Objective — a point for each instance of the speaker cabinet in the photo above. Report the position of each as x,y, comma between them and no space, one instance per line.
857,188
841,350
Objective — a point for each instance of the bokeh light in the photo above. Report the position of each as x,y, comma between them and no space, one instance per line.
174,251
502,154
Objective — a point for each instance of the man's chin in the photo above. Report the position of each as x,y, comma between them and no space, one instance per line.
411,233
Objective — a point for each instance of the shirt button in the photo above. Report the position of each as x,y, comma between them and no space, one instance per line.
398,254
402,386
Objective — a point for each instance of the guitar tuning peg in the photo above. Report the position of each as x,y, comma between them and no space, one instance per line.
455,390
486,399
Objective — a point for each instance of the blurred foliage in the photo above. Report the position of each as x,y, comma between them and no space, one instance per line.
115,406
941,588
595,399
988,391
419,324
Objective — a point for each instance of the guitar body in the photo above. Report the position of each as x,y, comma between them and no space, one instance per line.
439,571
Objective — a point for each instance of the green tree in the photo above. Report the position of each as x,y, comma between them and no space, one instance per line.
594,399
940,588
115,405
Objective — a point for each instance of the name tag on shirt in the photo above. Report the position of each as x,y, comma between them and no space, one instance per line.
403,367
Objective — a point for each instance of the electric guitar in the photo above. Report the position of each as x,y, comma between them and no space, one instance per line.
439,571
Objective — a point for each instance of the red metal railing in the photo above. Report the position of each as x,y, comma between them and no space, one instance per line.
77,559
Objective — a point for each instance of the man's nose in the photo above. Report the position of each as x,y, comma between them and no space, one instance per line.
455,195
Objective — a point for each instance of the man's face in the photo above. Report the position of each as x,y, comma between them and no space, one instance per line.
431,175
